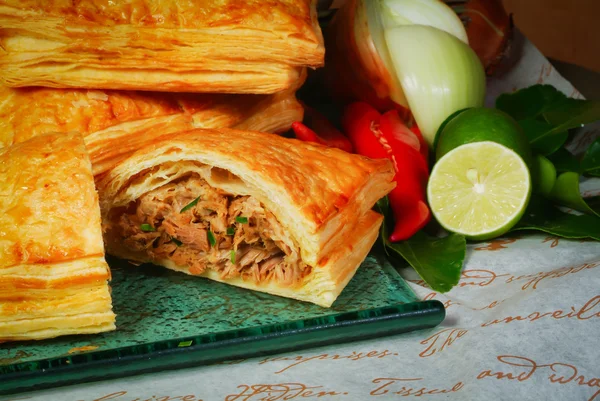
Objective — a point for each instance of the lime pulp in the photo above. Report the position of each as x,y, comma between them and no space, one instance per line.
479,189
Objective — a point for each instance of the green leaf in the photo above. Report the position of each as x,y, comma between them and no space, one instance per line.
546,103
190,205
572,113
211,238
530,102
542,216
438,261
176,241
537,132
232,256
590,164
593,202
230,230
566,192
241,220
546,114
564,160
147,228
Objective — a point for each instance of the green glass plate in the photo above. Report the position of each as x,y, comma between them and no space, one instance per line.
169,320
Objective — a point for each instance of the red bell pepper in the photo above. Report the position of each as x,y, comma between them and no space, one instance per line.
318,129
358,119
386,136
424,147
391,122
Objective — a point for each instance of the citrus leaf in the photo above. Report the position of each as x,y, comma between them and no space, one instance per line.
546,114
530,102
593,202
537,133
564,160
438,261
542,216
566,192
572,113
590,164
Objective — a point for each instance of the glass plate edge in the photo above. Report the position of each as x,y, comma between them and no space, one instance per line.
217,347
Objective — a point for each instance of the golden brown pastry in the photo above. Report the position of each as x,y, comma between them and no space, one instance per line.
225,46
250,209
109,119
53,276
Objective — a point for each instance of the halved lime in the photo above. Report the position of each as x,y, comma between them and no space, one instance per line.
480,189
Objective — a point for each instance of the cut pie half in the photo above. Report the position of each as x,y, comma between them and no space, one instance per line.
249,209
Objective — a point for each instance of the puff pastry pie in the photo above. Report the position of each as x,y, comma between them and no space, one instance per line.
110,119
53,276
249,209
216,46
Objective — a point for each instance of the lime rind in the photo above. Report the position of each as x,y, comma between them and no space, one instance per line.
480,189
544,175
441,129
483,124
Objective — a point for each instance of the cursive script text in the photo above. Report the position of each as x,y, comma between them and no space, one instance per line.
590,310
483,278
397,386
441,340
283,391
558,372
354,356
123,396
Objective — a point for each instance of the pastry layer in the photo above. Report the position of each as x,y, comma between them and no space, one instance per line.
266,210
53,276
116,123
226,46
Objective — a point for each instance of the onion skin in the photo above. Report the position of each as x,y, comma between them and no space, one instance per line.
353,69
491,43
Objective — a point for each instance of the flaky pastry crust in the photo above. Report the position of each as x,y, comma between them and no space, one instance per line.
109,119
227,46
53,276
321,196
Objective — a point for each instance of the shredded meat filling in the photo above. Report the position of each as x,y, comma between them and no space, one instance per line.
201,227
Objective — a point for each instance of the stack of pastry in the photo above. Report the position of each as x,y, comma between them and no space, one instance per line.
177,104
53,277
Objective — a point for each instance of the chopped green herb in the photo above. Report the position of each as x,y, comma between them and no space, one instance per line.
211,238
241,220
147,228
230,230
176,241
190,205
185,343
232,253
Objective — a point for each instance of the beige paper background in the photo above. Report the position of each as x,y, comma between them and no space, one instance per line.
523,324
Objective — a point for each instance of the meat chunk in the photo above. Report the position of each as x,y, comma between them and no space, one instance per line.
201,227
